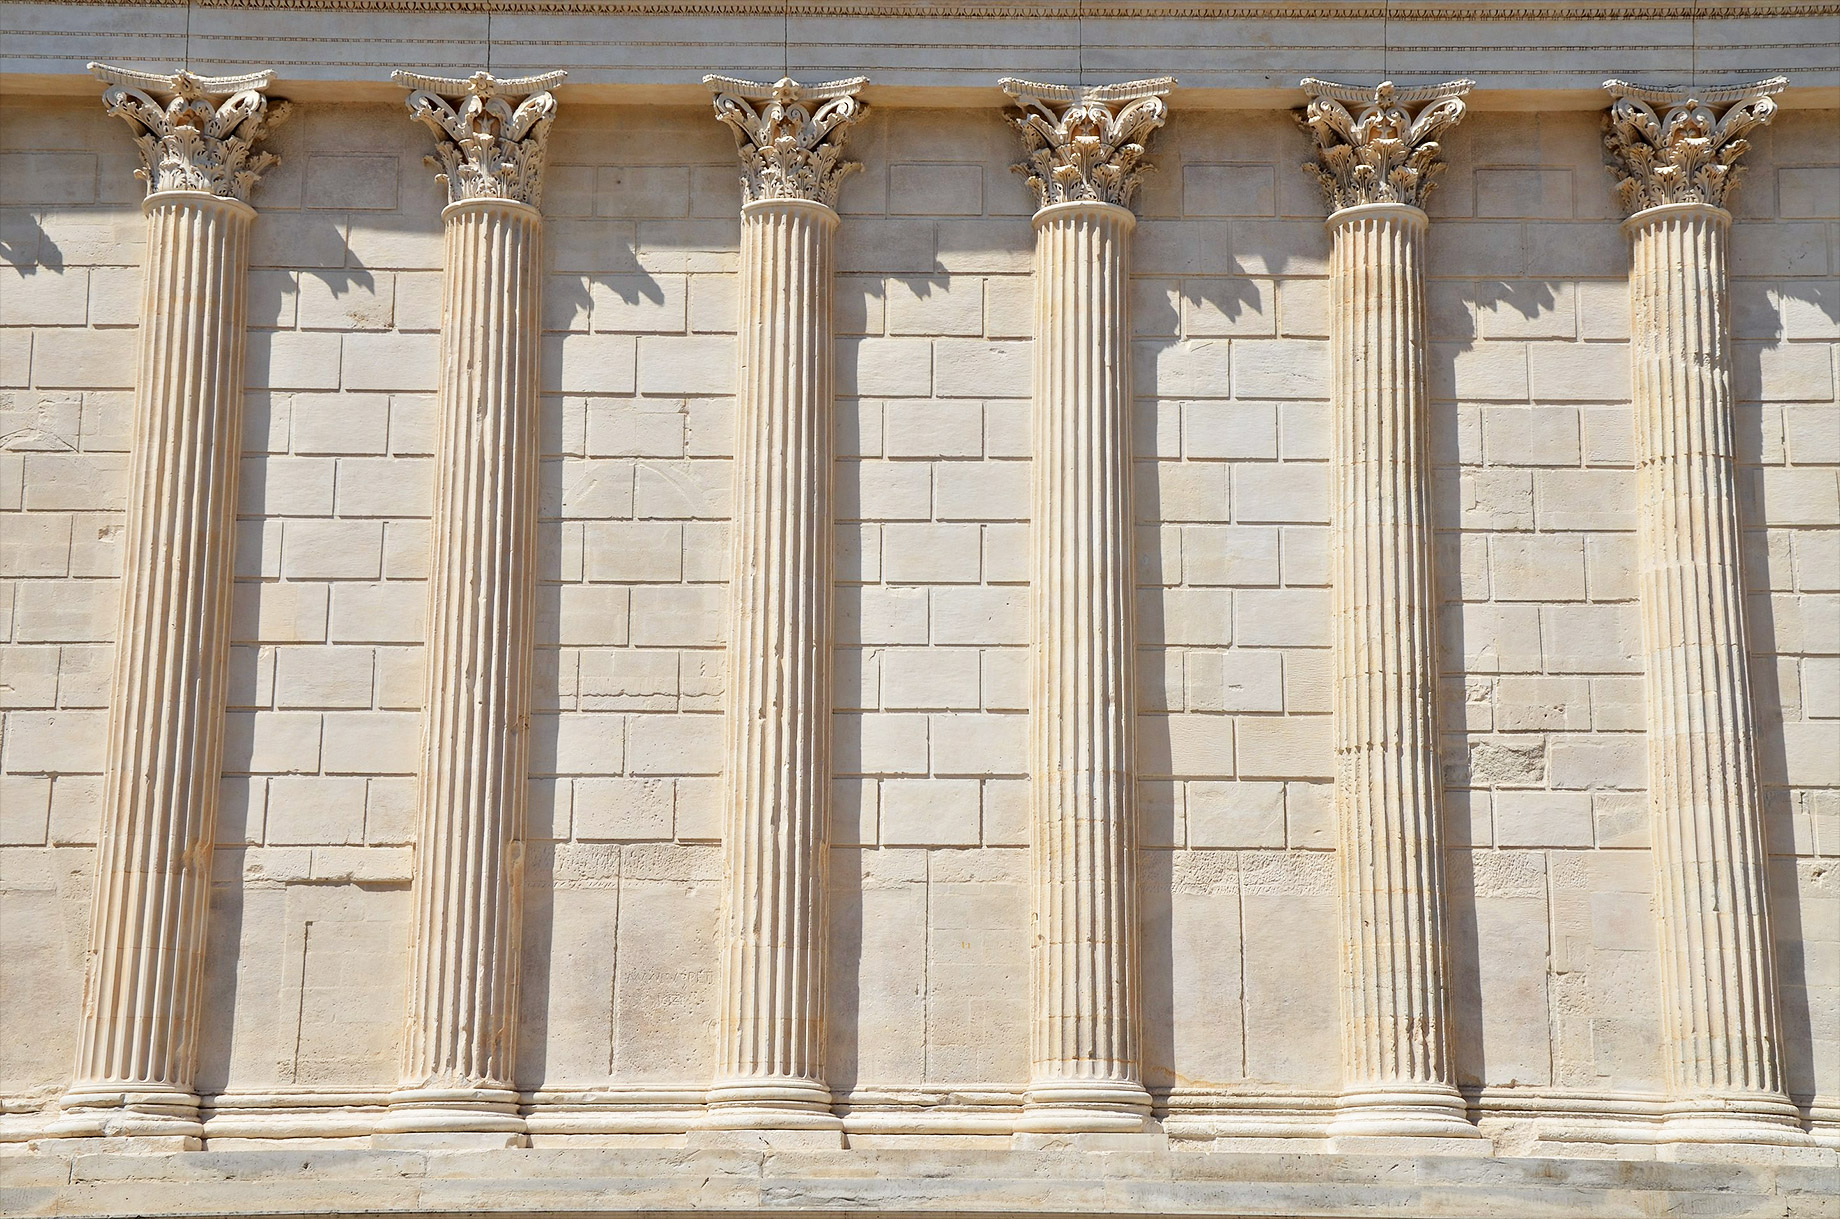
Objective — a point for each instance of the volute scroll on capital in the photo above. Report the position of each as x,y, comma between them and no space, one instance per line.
1085,143
195,133
1688,151
486,147
790,136
1379,152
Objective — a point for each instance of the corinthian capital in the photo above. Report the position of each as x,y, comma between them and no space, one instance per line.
1688,153
195,132
790,136
486,147
1087,142
1379,152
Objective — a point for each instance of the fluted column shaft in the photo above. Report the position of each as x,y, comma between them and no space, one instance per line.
770,1070
138,1046
1085,1046
1395,1028
1720,1015
460,1042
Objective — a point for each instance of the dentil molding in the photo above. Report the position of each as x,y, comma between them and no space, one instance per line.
195,133
1086,143
486,147
790,136
1380,152
1688,152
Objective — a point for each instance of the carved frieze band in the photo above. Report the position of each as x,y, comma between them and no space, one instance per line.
491,135
790,136
1677,145
1379,151
195,132
1087,142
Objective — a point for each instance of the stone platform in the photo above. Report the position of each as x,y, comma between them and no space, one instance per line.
900,1181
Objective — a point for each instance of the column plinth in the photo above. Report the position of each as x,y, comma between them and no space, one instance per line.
460,1037
1085,1042
137,1047
1376,167
1720,1017
776,817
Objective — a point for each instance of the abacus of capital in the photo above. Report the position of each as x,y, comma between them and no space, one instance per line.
1108,1070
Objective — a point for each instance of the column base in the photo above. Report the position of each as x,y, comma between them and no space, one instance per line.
1087,1106
1402,1111
451,1117
151,1115
778,1103
1754,1119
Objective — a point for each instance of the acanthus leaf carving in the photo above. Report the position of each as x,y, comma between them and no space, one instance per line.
790,136
486,147
1379,152
1687,153
1086,143
195,133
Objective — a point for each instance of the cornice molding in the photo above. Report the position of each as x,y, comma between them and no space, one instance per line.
1009,10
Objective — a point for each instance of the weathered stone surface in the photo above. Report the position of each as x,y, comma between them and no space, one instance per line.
1593,808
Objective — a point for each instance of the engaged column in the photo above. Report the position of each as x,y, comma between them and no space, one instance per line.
1083,156
459,1047
1376,164
776,833
1674,172
137,1052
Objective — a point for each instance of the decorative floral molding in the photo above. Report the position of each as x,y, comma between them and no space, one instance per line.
486,148
790,147
1080,143
1384,155
195,132
1118,10
1689,152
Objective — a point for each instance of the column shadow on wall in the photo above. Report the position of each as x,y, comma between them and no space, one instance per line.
1153,796
541,830
845,932
1783,894
1449,336
27,248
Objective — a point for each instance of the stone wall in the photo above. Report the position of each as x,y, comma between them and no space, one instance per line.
1555,990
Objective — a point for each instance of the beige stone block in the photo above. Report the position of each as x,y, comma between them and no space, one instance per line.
52,743
1292,617
371,742
1287,747
1238,815
272,742
1283,492
312,810
930,812
963,744
673,744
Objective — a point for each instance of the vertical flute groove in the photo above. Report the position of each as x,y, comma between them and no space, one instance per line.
138,1044
459,1050
1396,1025
1722,1028
1085,1043
770,1068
